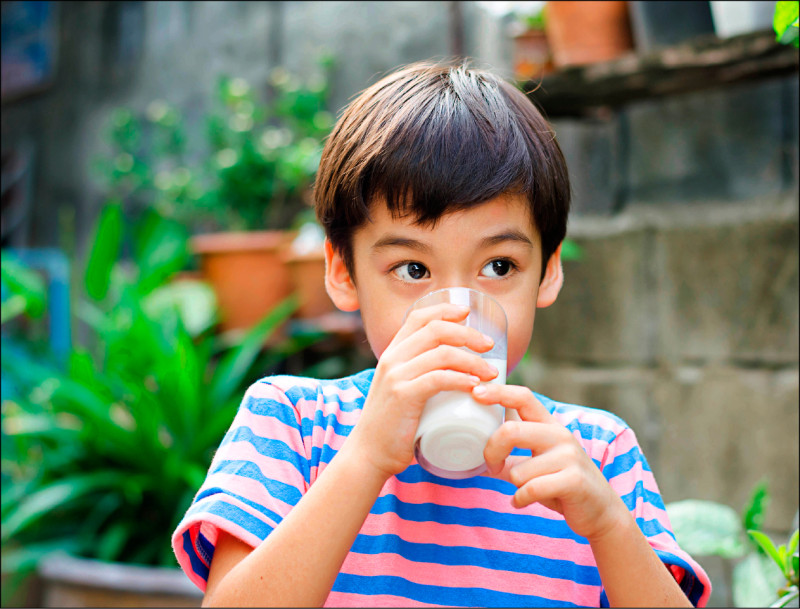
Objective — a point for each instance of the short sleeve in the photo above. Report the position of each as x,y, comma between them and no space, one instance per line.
258,474
627,470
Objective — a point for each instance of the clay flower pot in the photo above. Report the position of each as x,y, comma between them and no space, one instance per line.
247,272
587,32
307,272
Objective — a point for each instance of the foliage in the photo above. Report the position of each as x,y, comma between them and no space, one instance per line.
785,22
254,167
707,528
102,455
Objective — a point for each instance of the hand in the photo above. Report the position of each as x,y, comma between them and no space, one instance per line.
559,475
423,359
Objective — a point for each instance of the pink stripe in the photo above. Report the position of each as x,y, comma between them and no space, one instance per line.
351,394
468,576
623,443
251,490
275,469
467,498
625,482
349,599
454,535
267,391
589,417
309,409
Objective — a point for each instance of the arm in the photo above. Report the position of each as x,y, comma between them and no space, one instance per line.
299,560
562,477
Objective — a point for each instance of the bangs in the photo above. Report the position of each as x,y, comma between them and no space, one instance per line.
463,148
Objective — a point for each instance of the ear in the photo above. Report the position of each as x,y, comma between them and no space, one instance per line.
338,283
552,281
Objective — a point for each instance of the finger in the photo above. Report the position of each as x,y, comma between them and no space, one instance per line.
418,318
440,332
420,389
546,489
516,397
449,358
535,436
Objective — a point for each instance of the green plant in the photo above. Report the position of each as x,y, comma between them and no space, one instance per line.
785,22
101,456
252,170
707,528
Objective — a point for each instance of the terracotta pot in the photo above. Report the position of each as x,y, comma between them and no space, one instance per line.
587,32
532,57
307,272
69,581
247,272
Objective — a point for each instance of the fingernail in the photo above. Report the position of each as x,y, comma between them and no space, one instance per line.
480,390
474,379
488,340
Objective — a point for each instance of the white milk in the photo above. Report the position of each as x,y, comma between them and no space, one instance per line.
454,428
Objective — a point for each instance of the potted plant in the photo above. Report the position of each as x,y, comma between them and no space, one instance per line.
587,32
532,57
102,454
240,189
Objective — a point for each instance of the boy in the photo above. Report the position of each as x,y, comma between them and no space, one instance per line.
435,176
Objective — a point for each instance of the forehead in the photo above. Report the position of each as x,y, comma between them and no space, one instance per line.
508,209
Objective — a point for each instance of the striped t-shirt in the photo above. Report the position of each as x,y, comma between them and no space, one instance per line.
426,540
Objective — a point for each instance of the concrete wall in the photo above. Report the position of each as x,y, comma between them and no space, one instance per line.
682,316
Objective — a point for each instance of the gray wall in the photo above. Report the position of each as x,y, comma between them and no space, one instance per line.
682,316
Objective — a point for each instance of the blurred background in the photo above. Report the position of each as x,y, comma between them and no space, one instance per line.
160,254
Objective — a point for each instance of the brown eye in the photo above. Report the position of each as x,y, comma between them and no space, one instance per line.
497,268
411,271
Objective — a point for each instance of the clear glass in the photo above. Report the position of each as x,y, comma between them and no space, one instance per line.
454,428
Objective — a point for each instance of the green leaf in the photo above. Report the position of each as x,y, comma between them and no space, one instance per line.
706,528
194,301
785,22
162,250
43,501
756,580
765,543
106,245
13,307
754,511
793,542
25,284
235,364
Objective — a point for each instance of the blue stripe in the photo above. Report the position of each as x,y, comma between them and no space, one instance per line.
210,492
197,565
269,447
625,462
442,595
247,469
639,490
652,527
465,555
415,473
238,516
475,517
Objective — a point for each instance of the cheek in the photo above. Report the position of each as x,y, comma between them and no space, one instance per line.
520,329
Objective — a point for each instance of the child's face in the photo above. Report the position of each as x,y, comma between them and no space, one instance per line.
493,248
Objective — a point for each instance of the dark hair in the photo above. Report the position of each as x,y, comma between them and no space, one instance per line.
430,139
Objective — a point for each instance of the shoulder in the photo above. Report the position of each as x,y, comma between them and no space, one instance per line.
297,390
593,423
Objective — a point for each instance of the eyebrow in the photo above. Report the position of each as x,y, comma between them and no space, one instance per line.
398,241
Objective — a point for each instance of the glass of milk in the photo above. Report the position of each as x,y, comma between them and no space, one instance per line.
454,428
